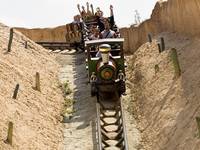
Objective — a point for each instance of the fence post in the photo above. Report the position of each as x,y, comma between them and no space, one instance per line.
159,48
156,69
37,81
150,38
162,44
10,133
26,44
198,125
174,57
16,91
10,40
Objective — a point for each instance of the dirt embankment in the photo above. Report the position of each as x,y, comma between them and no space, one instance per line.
45,34
66,33
166,107
181,16
35,114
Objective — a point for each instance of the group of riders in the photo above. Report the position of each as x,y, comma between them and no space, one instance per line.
104,27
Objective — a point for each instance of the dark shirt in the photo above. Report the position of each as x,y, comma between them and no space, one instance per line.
112,22
101,25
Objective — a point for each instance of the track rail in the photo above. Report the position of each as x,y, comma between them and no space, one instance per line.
56,45
111,132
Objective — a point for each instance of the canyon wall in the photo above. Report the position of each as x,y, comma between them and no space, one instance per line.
181,16
65,33
45,34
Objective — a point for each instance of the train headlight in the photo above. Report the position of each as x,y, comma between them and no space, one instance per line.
107,74
105,50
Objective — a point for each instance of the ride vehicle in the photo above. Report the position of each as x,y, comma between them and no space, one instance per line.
106,66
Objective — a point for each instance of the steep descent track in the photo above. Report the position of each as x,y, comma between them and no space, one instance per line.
55,45
111,132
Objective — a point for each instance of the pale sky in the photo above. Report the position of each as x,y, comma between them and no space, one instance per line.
51,13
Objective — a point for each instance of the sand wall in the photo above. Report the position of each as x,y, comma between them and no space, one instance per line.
181,16
46,34
64,33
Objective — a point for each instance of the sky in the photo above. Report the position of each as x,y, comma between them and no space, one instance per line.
51,13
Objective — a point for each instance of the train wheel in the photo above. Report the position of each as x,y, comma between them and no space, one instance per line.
122,88
93,90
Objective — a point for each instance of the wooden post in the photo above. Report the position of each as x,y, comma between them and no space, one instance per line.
10,40
37,81
174,57
198,125
16,91
156,69
10,133
26,44
162,44
150,38
159,48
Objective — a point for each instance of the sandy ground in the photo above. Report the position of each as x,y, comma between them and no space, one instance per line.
166,107
80,130
35,115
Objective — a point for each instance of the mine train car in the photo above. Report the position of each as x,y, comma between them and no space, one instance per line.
106,66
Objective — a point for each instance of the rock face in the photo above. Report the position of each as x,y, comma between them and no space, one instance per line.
180,16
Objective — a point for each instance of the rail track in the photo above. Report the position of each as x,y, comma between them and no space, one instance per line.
58,45
111,132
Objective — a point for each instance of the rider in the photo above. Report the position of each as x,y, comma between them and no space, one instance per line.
89,13
83,13
107,32
95,34
100,18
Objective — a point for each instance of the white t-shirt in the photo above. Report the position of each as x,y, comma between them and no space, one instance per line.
108,34
92,37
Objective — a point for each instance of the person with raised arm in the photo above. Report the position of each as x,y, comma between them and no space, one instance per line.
89,13
83,12
107,32
92,9
100,18
111,18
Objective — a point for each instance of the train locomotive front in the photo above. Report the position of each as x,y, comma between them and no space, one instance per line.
106,67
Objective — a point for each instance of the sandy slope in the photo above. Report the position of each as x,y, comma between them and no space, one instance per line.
79,130
166,107
35,114
181,16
